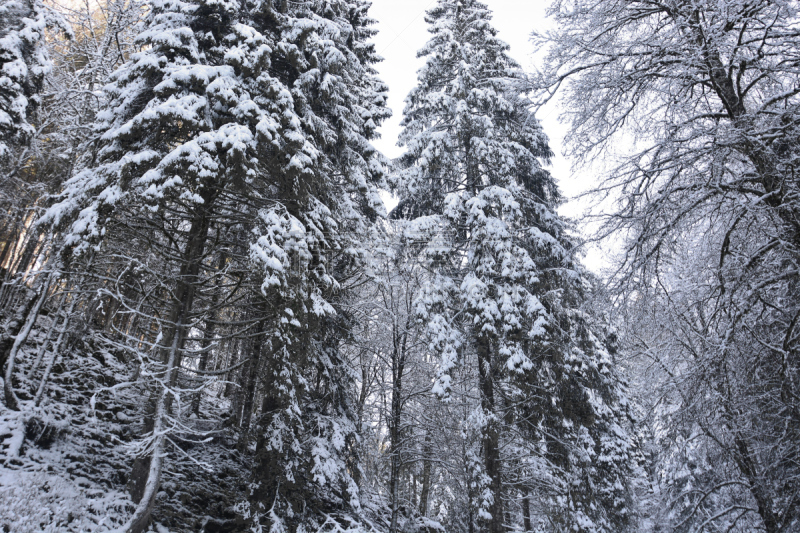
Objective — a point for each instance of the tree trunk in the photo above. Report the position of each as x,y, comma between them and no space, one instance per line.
8,244
208,333
526,511
8,387
491,435
764,501
250,392
399,340
146,475
15,326
362,399
205,349
229,389
55,352
53,327
146,472
29,254
426,477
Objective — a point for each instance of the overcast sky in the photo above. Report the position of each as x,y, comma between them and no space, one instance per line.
403,31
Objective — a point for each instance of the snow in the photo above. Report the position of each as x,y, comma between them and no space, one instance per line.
258,131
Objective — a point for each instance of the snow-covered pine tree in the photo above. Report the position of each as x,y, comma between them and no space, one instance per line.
237,117
23,65
506,292
24,62
303,476
186,140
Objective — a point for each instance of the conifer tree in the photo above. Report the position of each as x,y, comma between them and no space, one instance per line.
507,291
23,65
181,137
307,430
251,118
24,62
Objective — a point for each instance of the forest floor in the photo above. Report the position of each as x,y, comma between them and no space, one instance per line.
64,465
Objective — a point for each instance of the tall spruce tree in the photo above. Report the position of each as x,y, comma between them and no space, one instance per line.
23,65
507,292
240,118
183,134
303,477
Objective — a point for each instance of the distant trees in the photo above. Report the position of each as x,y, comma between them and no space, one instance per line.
706,96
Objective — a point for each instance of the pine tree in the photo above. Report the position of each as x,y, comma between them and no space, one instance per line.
24,61
187,139
23,65
507,289
246,120
308,426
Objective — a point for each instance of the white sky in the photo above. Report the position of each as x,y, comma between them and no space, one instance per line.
403,31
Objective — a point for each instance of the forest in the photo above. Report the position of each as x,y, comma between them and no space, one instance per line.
210,321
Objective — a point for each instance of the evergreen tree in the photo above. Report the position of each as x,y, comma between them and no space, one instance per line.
506,292
24,61
23,65
251,118
181,137
303,478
